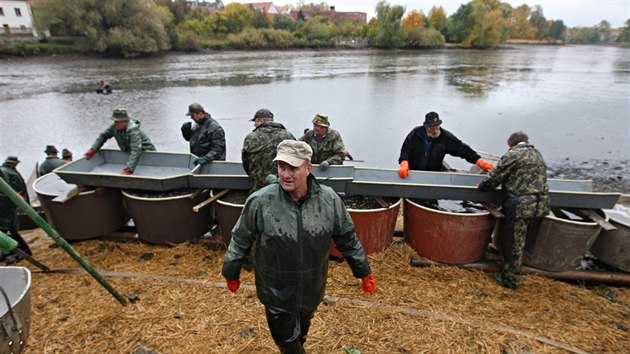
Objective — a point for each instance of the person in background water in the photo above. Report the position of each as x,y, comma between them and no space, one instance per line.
259,148
52,160
290,224
129,137
104,87
66,155
206,137
8,209
425,146
327,145
522,174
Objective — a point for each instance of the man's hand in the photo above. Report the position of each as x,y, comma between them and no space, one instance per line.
201,160
349,156
368,284
324,165
187,130
233,285
484,165
403,170
89,154
127,172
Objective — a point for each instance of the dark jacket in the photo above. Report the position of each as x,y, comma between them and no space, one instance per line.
259,150
292,240
207,138
414,150
49,165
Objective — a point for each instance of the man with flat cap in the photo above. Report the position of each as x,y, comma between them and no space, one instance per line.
327,145
128,136
259,148
66,155
425,146
206,136
52,160
290,224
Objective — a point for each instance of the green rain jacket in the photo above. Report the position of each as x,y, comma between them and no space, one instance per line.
291,242
131,140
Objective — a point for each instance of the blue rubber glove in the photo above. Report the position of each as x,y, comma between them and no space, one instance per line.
201,160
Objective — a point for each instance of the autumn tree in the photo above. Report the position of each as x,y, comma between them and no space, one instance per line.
538,20
389,32
437,18
128,28
479,23
519,25
414,19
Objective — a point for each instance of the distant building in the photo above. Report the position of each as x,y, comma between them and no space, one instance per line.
332,14
210,6
16,18
268,8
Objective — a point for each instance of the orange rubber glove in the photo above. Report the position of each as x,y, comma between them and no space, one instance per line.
127,172
484,165
403,170
368,284
89,154
233,285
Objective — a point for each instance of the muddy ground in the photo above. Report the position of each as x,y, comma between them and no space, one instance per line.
606,176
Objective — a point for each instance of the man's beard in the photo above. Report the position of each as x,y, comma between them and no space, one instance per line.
434,135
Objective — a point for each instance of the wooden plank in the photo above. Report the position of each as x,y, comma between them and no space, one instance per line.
206,202
590,214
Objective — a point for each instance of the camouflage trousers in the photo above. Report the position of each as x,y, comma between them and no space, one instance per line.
514,233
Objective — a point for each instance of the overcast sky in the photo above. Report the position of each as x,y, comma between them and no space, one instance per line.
574,13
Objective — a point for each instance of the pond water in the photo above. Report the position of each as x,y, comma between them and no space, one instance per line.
573,101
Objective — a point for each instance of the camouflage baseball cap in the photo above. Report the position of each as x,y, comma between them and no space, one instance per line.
432,119
66,153
12,160
293,152
262,113
194,108
120,115
321,119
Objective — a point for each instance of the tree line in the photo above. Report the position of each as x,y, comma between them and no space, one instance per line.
138,27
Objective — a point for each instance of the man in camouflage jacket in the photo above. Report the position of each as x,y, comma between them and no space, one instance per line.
522,174
8,209
327,145
259,148
129,137
206,137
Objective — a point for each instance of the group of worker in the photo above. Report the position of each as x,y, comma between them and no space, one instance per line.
289,219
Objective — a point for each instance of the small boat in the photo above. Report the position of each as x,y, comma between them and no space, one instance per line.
15,308
613,246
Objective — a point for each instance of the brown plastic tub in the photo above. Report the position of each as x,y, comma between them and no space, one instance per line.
228,212
89,214
447,237
374,228
161,219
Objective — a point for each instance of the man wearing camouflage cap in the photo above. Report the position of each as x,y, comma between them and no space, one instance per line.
327,145
66,155
425,146
259,148
290,224
206,137
52,160
129,137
